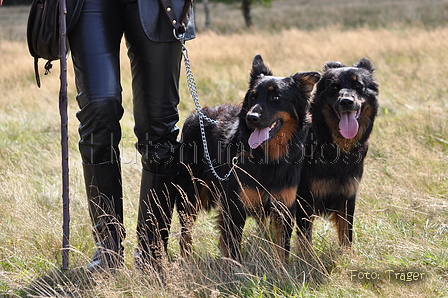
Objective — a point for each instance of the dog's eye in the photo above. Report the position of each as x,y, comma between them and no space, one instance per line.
275,98
358,85
252,99
333,85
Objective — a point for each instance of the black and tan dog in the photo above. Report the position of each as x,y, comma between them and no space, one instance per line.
343,111
266,134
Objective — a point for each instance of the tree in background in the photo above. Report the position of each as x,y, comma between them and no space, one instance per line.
16,2
207,13
245,8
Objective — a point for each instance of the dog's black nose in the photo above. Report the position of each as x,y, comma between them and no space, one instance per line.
252,118
346,102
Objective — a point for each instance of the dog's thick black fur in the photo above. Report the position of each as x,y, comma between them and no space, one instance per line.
343,111
266,134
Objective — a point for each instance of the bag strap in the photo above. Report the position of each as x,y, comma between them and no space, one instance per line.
36,71
178,25
48,66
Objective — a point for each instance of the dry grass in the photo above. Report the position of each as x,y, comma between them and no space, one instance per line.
400,221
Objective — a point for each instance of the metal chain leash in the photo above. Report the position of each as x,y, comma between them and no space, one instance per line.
194,95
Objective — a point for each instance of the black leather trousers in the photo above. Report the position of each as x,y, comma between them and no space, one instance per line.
95,45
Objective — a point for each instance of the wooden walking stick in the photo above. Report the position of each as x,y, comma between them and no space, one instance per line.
64,133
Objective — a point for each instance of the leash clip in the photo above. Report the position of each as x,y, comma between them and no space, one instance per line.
180,37
235,161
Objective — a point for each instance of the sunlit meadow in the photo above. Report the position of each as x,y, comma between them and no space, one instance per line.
401,220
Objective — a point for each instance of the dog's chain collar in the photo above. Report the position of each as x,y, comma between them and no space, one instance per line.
194,95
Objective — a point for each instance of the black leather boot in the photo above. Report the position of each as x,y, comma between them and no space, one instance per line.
104,192
157,197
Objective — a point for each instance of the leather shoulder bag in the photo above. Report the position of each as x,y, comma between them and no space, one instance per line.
43,30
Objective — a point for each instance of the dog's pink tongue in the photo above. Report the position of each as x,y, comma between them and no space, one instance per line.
258,136
348,125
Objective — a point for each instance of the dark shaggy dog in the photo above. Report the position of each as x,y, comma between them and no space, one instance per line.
343,111
266,135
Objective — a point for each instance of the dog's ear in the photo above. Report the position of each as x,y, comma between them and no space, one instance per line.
332,64
306,80
259,68
366,64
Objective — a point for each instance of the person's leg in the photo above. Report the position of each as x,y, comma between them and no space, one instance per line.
155,78
95,44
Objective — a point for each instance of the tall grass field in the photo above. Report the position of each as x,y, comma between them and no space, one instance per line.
401,222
